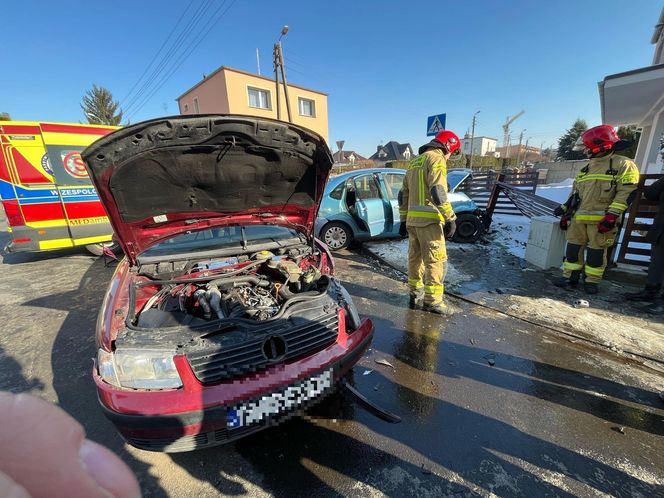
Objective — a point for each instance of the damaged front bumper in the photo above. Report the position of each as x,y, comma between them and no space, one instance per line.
198,416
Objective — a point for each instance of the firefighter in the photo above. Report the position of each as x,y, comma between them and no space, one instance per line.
601,193
427,218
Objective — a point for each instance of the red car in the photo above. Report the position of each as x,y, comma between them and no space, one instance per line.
224,317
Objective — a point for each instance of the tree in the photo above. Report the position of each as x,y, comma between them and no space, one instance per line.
100,108
633,135
566,142
4,116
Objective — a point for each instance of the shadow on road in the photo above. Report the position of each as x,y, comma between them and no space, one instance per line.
71,361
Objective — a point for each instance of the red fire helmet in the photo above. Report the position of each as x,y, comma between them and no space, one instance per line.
450,140
599,138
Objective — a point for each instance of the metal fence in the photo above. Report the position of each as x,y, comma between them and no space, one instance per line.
632,246
481,185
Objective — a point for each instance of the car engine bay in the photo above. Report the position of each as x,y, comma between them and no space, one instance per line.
257,287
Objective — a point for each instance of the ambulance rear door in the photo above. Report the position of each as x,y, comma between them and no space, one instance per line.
86,217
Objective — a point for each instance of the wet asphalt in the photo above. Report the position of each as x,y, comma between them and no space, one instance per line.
490,405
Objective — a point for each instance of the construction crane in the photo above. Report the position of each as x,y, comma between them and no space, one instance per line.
506,128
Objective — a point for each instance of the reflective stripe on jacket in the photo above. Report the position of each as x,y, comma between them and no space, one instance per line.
604,186
416,207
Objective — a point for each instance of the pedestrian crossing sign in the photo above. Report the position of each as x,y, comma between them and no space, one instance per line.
435,124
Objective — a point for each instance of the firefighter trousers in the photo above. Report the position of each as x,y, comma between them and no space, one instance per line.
427,262
586,250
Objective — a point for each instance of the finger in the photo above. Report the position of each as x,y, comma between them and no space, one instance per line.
45,450
10,489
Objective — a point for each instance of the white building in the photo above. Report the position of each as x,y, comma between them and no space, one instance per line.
636,97
482,146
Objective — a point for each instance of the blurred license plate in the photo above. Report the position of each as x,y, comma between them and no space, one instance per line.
276,402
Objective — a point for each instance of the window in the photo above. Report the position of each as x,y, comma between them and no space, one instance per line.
307,107
366,187
186,107
338,192
196,108
259,98
406,154
222,238
393,182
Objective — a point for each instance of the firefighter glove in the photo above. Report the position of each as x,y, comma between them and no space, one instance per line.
403,230
564,222
607,223
450,229
560,210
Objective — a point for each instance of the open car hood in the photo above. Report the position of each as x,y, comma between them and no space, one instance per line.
167,176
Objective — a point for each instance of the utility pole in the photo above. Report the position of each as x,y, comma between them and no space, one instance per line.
276,78
542,150
258,62
279,65
525,152
472,139
518,152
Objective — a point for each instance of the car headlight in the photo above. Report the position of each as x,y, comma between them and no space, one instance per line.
352,316
139,368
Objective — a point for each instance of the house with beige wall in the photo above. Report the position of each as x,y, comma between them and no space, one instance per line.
231,91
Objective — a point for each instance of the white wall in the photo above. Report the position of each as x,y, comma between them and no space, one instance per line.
481,146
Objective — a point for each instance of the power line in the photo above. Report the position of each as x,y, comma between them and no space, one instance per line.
154,58
186,52
172,52
183,55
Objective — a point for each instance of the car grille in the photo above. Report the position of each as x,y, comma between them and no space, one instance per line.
228,362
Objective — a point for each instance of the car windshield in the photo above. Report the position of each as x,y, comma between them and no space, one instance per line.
213,239
454,178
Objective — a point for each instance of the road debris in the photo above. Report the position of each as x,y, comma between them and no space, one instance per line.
581,303
367,372
619,429
382,361
473,341
491,361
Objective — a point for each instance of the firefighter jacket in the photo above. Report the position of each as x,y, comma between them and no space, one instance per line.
425,180
605,185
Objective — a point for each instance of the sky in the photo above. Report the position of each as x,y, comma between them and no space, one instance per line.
386,65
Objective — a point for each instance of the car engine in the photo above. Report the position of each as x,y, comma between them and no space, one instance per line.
260,288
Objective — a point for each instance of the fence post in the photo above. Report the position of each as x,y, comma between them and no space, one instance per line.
493,197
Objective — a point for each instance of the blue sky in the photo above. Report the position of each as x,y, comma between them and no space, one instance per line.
386,65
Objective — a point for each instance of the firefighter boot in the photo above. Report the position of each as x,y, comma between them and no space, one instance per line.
591,287
415,301
440,308
656,308
648,293
568,283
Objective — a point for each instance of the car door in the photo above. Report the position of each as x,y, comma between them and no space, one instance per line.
393,183
370,207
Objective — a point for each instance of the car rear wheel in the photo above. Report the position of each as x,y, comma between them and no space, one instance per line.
469,228
98,249
336,235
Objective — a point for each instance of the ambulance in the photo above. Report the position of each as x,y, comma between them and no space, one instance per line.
47,196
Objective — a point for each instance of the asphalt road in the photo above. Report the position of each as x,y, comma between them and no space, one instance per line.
490,405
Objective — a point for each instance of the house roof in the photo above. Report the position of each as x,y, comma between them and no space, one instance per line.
658,28
393,150
345,154
632,97
226,68
477,137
